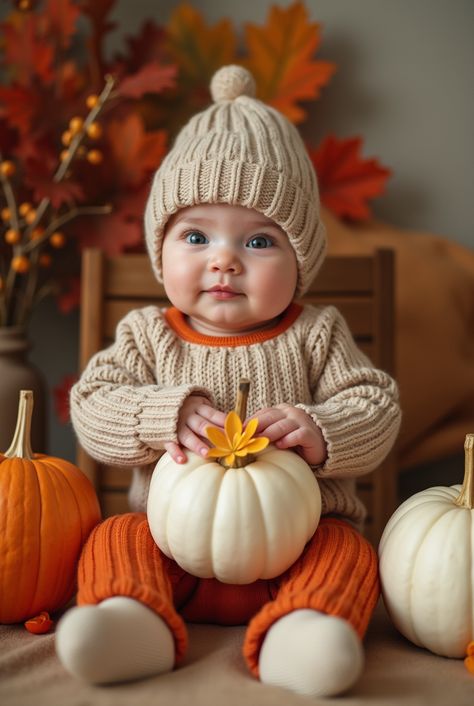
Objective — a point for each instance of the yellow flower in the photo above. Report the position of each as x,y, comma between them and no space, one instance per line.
234,442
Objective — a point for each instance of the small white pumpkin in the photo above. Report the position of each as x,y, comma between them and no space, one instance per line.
236,524
426,565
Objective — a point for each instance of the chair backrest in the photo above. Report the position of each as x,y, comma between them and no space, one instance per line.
361,287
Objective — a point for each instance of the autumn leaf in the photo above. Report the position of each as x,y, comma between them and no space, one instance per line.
65,192
62,16
112,233
134,152
18,105
198,48
144,47
280,56
61,397
27,53
346,180
152,78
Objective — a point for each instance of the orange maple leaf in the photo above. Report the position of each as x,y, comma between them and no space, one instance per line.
135,153
199,49
346,180
280,56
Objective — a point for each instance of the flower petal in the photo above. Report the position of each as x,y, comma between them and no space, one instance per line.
229,460
217,437
250,430
217,453
233,426
257,445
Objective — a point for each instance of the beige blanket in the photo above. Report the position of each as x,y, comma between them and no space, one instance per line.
214,674
434,333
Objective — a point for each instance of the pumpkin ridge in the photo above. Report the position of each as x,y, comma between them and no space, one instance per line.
59,482
27,463
46,490
428,529
85,496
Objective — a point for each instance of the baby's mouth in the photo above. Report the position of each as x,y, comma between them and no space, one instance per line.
222,291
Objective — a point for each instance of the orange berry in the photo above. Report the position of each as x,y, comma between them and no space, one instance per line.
20,264
57,240
12,236
94,131
7,168
75,124
6,214
64,155
45,260
24,208
95,156
30,216
66,138
91,101
37,233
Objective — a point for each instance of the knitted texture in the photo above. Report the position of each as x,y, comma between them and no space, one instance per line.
126,404
242,152
336,574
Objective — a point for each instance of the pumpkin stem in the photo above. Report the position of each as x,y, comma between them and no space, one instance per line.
466,496
21,443
241,410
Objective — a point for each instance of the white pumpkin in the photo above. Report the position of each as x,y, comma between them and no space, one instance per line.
235,524
426,566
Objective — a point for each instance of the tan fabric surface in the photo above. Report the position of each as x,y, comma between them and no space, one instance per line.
434,333
214,673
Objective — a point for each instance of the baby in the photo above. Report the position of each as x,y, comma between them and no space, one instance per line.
234,233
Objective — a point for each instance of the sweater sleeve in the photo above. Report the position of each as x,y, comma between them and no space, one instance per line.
354,404
121,413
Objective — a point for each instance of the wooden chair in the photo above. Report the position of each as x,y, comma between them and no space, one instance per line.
361,287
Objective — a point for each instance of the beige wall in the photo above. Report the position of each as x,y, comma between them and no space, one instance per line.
405,83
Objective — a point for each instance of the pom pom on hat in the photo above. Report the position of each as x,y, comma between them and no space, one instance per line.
231,82
242,152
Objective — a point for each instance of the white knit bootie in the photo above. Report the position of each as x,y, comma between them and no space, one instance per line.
117,640
312,654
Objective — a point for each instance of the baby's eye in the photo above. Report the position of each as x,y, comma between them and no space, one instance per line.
259,241
196,238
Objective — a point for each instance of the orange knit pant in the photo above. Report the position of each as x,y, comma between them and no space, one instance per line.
336,574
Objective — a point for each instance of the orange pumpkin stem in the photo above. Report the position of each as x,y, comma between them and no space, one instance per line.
21,443
466,496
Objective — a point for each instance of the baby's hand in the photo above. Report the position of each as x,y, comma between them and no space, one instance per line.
194,416
290,427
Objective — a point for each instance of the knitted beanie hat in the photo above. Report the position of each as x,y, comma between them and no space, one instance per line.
241,152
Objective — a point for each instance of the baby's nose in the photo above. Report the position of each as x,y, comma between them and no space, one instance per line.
225,260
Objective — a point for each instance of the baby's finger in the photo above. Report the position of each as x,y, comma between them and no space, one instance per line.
266,417
176,452
210,414
192,442
280,428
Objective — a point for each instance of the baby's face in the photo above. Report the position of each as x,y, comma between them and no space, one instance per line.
228,268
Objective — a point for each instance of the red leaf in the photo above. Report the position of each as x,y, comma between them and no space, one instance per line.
18,105
112,233
146,46
346,181
134,152
40,624
27,51
39,178
69,299
63,16
61,397
151,78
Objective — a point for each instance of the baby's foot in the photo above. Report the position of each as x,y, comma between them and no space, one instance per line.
117,640
311,653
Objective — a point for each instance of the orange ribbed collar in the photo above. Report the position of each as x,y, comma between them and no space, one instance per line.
177,321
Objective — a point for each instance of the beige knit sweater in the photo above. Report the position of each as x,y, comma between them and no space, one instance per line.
126,404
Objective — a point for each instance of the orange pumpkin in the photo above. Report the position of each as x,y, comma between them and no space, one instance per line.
47,509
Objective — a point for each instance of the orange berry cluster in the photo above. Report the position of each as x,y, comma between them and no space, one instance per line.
93,131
